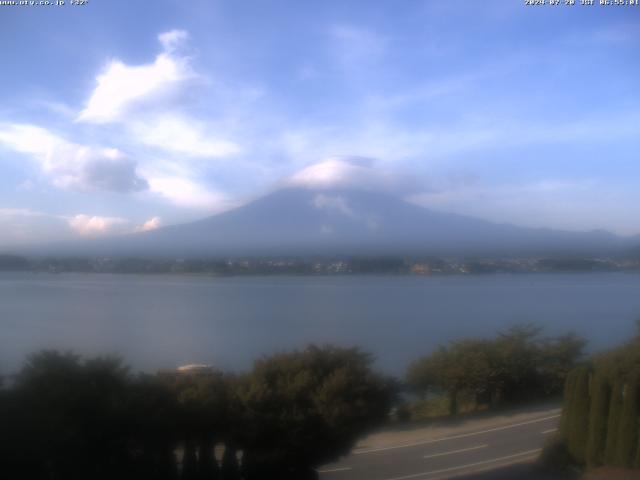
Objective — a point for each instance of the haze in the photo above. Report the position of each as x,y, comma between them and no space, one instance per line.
109,125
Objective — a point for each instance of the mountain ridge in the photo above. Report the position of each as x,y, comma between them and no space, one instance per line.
339,222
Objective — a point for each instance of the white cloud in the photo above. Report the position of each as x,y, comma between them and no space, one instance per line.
30,139
348,172
151,224
95,225
121,86
185,192
21,226
173,39
177,134
70,165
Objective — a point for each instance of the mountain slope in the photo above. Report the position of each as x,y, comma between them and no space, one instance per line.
349,222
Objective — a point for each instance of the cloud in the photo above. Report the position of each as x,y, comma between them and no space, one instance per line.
94,225
177,134
139,99
151,224
109,170
121,86
188,193
171,41
21,226
349,172
73,166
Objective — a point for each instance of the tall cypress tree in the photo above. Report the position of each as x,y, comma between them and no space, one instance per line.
628,428
569,386
636,462
579,418
613,422
598,415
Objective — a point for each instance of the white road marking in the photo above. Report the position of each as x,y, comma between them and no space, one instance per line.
331,470
452,452
469,465
551,430
454,437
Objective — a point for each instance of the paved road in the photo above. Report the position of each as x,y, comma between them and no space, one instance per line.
491,448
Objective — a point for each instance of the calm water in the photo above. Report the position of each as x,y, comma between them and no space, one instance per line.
165,321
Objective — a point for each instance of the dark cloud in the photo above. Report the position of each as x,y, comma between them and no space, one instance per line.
113,174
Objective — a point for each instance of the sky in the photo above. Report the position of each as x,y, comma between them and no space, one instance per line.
120,116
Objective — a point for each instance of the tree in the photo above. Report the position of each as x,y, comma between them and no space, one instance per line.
204,418
518,362
569,391
516,366
230,469
601,395
306,408
613,422
579,417
464,366
628,427
73,412
559,355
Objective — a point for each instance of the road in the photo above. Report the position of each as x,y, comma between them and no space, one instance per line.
492,447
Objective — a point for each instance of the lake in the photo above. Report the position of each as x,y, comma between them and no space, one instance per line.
165,321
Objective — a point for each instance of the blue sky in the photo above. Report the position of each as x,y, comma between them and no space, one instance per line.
120,116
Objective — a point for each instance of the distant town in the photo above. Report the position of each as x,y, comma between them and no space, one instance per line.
319,266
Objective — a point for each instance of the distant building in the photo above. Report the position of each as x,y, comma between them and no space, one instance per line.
419,269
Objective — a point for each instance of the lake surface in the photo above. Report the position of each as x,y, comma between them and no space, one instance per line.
165,321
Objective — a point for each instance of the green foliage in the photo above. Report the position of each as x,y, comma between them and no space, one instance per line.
613,403
69,418
600,397
558,356
569,390
516,366
613,422
307,408
579,417
463,366
628,427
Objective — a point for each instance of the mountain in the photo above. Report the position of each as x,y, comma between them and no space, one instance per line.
297,222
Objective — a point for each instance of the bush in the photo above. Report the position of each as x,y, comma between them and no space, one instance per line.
555,456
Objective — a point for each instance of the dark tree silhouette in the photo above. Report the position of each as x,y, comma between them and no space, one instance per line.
306,408
65,418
